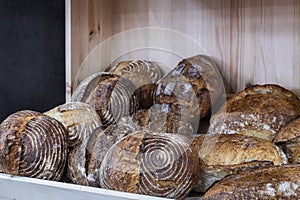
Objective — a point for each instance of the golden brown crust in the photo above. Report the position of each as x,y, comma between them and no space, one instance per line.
268,98
33,145
260,110
151,163
224,154
289,132
225,149
279,182
263,126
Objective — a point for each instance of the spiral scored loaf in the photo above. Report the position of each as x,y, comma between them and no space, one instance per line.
101,140
225,154
111,96
260,110
288,139
80,119
191,88
144,75
140,72
34,145
278,182
155,164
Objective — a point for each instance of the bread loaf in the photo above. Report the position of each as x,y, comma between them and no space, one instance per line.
138,71
110,95
80,119
288,139
278,182
155,164
224,154
102,139
33,145
260,110
190,89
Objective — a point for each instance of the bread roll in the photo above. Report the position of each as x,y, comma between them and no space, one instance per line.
150,163
190,89
111,96
260,110
288,139
225,154
80,119
278,182
33,145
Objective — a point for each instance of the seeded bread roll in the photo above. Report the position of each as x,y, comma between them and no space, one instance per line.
80,119
260,110
224,154
154,164
278,182
33,145
110,95
190,89
288,139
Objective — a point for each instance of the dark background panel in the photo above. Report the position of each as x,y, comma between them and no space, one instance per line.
32,55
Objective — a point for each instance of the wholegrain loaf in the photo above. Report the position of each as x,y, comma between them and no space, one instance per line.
225,154
260,110
278,182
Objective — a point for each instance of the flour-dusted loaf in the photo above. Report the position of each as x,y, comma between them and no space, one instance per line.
111,95
260,110
144,75
140,72
80,119
191,88
278,182
157,164
34,145
224,154
288,139
103,139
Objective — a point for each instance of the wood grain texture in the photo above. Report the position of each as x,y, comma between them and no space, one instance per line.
252,41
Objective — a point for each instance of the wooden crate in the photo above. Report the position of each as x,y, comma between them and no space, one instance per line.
252,41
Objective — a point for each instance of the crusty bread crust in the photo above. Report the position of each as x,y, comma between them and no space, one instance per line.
225,154
279,182
261,111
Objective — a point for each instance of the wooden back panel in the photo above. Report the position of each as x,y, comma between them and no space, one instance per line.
252,41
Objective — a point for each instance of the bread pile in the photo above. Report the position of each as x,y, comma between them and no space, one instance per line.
133,129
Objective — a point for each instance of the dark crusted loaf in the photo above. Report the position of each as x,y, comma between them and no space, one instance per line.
279,182
34,145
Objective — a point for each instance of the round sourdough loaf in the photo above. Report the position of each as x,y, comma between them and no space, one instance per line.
278,182
288,139
157,164
34,145
225,154
260,110
103,139
111,95
80,119
190,89
144,75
